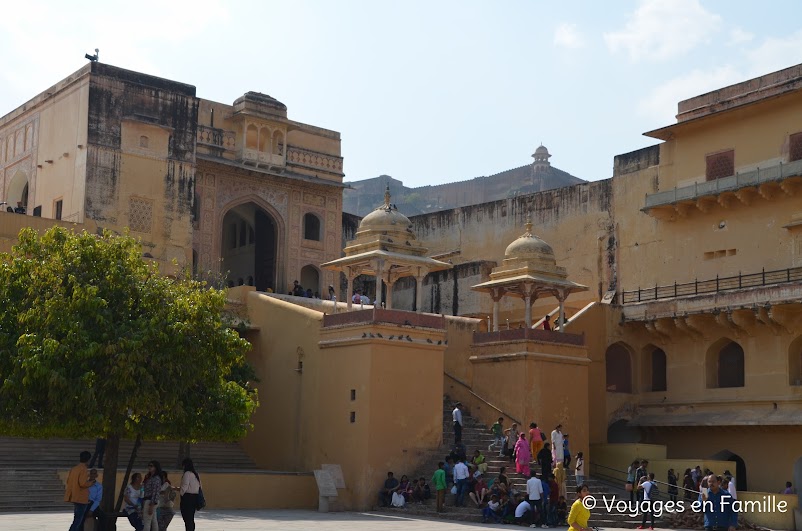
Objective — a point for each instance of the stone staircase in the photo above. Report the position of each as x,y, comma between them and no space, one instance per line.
477,436
28,467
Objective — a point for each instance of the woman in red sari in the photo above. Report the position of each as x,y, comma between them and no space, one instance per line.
522,456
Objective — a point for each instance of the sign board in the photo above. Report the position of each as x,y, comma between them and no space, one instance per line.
325,484
608,297
336,472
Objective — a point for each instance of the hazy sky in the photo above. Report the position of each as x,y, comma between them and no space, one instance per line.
425,91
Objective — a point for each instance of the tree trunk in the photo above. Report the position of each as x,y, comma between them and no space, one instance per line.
110,477
183,453
137,444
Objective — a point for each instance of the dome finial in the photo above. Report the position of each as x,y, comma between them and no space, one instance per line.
528,225
387,196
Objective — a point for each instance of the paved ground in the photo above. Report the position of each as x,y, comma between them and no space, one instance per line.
261,520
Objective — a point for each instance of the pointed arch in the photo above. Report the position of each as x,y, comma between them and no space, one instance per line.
618,367
724,364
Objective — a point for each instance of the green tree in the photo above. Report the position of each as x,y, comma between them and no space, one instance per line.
95,342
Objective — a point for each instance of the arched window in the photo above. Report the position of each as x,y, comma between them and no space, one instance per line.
795,362
251,137
618,365
725,364
311,227
658,370
278,143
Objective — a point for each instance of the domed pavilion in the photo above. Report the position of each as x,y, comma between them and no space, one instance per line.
386,247
529,271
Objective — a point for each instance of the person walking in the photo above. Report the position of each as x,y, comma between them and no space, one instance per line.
672,485
522,456
190,486
557,443
439,482
580,468
153,488
456,416
544,459
648,488
497,430
559,477
165,510
534,494
579,515
512,435
630,486
77,490
535,438
461,474
718,516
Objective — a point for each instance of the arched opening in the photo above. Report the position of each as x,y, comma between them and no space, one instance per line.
257,260
17,195
620,432
652,369
143,141
795,362
310,278
251,137
278,143
311,227
264,140
724,366
740,467
618,364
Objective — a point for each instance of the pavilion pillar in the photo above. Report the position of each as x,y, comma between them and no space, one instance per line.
390,285
419,290
379,283
496,293
350,293
528,300
561,317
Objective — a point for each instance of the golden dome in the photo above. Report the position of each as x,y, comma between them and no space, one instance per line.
530,247
386,217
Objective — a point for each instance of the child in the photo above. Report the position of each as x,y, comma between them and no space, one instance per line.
562,511
425,490
566,452
492,510
498,436
132,502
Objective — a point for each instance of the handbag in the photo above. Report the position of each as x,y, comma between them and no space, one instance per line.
201,503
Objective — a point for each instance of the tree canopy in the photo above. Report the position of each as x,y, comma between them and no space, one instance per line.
94,341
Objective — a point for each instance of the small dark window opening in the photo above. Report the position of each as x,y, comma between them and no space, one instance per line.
353,417
658,370
731,366
720,165
353,394
59,206
311,227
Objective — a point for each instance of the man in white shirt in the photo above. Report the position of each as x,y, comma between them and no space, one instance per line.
648,489
521,511
534,493
461,474
456,415
731,486
557,444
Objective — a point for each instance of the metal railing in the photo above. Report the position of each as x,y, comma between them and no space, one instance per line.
774,173
482,400
718,284
622,477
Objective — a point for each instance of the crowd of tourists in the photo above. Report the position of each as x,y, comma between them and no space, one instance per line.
148,501
542,464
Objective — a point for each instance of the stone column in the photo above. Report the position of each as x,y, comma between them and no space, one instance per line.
419,290
390,284
379,283
350,289
496,294
528,300
561,318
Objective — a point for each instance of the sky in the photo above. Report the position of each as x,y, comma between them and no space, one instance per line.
425,91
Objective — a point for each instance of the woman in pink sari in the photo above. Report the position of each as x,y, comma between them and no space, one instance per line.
522,456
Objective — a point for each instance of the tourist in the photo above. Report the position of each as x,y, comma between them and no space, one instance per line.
386,493
672,485
461,475
456,416
479,461
536,438
718,516
580,468
557,443
553,499
506,508
480,491
100,451
332,296
630,485
440,484
523,513
649,489
309,294
522,456
77,490
424,489
789,488
95,497
498,436
492,510
297,289
544,459
688,485
398,496
732,490
166,503
579,515
132,502
190,486
364,299
696,475
640,474
153,488
559,477
562,510
405,488
566,452
459,452
448,468
512,435
547,323
502,477
534,493
357,297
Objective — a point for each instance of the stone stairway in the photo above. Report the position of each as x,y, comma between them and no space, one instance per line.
477,436
28,467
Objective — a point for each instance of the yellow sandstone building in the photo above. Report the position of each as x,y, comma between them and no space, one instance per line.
686,346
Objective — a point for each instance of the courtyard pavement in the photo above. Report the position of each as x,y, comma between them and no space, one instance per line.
262,520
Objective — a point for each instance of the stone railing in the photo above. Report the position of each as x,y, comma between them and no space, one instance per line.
212,136
379,315
314,160
529,334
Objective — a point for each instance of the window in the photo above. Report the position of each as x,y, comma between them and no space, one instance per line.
618,365
140,214
731,365
251,137
57,209
143,141
311,227
720,165
658,370
795,147
795,362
